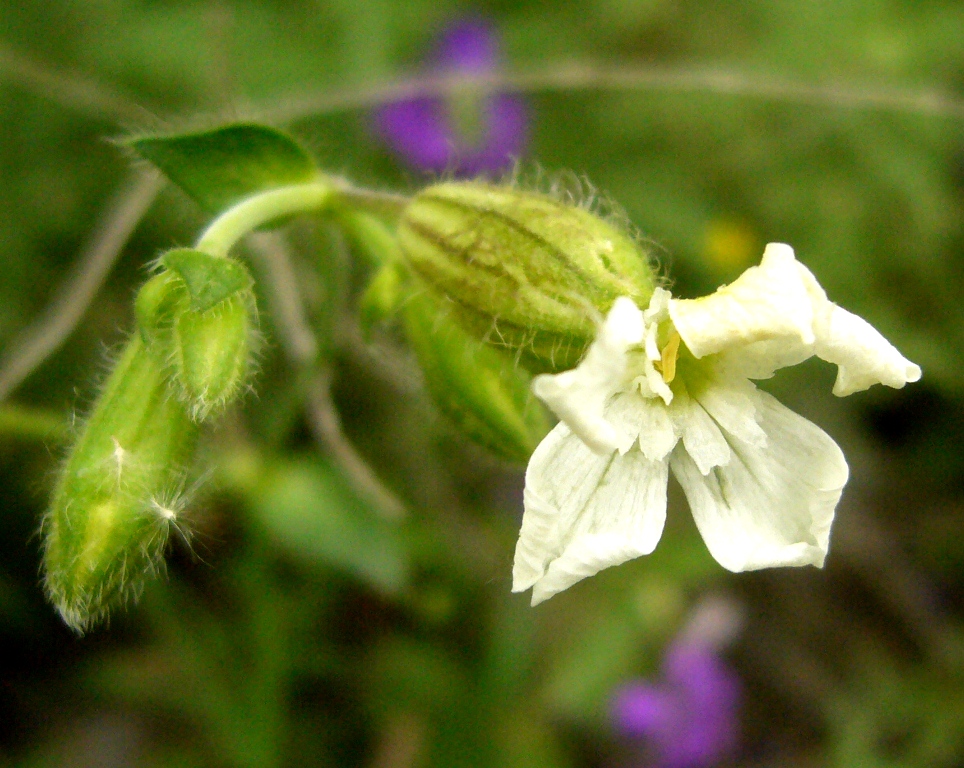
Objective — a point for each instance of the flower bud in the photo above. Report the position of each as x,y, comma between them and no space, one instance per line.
196,318
383,296
523,270
117,496
212,350
478,387
159,301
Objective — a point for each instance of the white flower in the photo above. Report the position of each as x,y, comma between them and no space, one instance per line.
762,481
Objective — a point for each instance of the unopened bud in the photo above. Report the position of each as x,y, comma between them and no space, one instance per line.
117,496
522,269
212,352
383,295
478,387
196,318
159,301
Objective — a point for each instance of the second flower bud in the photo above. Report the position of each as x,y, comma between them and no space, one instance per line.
522,269
197,316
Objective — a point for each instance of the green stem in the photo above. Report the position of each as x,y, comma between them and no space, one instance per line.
31,423
385,204
226,230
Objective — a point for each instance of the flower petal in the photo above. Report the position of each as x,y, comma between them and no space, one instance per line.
579,396
585,512
641,709
765,302
729,401
768,506
657,435
863,357
761,359
702,438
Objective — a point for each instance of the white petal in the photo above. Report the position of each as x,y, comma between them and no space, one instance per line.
768,507
585,512
579,396
761,359
765,302
731,402
626,413
657,435
702,438
863,356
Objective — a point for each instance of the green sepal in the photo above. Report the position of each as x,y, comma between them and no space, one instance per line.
219,167
480,388
523,270
197,318
159,301
208,279
118,494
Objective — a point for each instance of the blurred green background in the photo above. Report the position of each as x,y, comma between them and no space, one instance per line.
303,629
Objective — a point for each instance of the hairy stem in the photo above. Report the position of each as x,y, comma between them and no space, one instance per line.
253,212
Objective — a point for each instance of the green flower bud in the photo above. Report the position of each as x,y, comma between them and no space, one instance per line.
383,295
118,494
211,354
478,387
159,301
196,318
523,270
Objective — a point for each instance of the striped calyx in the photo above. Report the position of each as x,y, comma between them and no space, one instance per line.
119,493
522,269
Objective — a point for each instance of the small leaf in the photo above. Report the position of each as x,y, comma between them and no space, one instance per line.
209,279
219,167
308,508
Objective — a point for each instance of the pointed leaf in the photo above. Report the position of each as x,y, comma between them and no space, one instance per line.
219,167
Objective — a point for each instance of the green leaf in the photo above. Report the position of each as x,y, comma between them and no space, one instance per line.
219,167
209,279
308,508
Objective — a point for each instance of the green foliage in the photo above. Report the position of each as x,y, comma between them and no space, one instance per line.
299,642
309,510
222,166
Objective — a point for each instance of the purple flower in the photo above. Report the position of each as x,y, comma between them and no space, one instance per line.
465,134
690,717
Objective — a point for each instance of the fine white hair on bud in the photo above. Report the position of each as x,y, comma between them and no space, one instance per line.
105,530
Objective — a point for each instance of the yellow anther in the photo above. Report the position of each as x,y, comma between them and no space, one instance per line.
668,358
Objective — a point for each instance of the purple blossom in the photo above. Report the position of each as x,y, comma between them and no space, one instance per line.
690,717
465,134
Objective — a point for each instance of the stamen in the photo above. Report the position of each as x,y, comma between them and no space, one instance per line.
668,358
